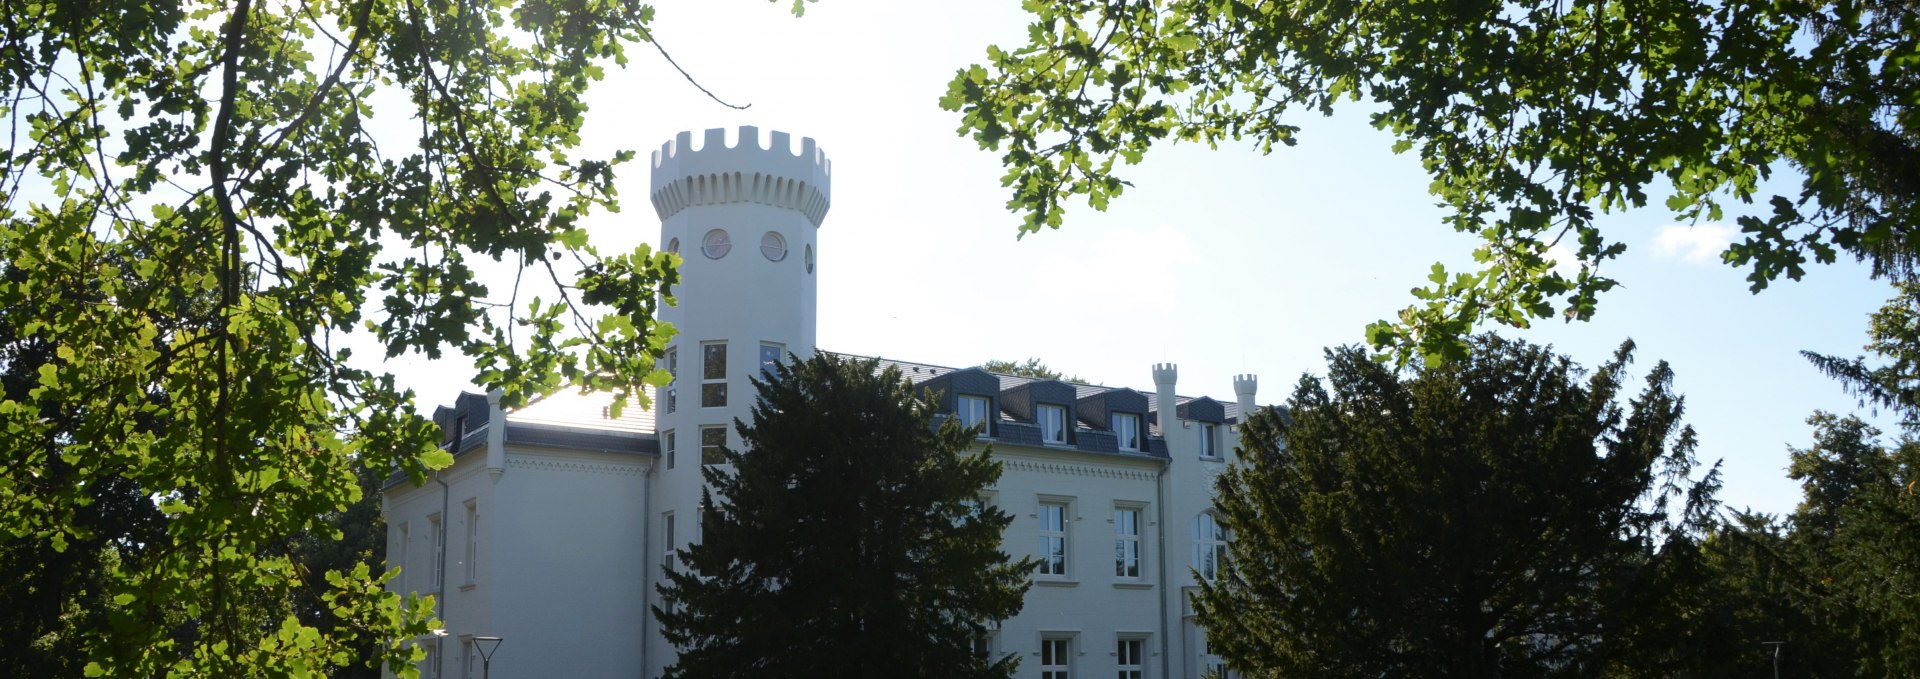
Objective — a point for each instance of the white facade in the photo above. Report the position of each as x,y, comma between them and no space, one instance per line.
555,521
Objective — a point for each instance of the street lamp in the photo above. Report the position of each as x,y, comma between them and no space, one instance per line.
1776,655
486,646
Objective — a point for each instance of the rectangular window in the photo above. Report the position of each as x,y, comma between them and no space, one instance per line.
1209,434
473,542
673,368
712,439
1126,428
669,545
770,355
1209,546
669,443
439,549
402,563
1126,542
1053,539
430,668
1053,423
973,413
469,660
713,374
1132,658
1055,661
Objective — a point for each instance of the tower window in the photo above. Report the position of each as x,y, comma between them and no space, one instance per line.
713,374
809,258
770,356
717,244
673,245
673,372
773,246
667,437
712,439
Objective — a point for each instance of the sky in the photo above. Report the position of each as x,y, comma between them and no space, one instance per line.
1227,262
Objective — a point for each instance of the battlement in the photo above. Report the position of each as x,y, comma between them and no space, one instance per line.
716,173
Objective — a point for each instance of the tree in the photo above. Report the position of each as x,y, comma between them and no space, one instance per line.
199,205
1893,334
1032,367
1531,119
1856,538
1499,516
851,523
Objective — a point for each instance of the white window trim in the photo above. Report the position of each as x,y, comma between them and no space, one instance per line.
1204,543
405,538
1039,418
1139,668
1138,538
1209,441
673,383
779,354
703,441
1120,437
966,400
670,441
1063,665
473,541
437,525
1064,534
722,379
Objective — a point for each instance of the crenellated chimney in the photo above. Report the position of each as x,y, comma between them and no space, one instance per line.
1244,386
1164,375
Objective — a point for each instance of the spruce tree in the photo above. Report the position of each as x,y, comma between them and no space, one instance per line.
845,540
1501,516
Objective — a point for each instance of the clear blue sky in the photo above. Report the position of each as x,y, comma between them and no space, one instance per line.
1233,262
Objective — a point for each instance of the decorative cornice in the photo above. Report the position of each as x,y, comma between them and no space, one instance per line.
1078,470
598,468
740,187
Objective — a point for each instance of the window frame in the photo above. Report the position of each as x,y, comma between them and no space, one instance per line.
473,540
1130,670
669,549
673,381
779,354
1056,656
705,445
1122,540
1040,418
669,442
1120,438
438,528
1054,535
713,390
962,409
1212,543
1210,440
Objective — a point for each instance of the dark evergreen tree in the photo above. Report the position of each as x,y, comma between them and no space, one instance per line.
1499,516
846,540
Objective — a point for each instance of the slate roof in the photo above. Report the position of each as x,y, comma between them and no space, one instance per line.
921,372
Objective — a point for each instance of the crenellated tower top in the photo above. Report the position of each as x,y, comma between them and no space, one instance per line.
716,174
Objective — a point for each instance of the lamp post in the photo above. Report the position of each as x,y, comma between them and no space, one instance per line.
486,646
1776,655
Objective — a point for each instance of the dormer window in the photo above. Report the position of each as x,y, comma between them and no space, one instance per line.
1052,420
973,413
1126,429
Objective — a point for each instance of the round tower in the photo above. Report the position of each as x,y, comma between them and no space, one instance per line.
743,219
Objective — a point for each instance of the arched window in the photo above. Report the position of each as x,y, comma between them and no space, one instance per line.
1209,546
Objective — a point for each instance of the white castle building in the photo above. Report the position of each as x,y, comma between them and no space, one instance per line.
554,523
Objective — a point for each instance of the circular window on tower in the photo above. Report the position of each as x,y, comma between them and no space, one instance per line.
673,246
717,244
809,259
773,246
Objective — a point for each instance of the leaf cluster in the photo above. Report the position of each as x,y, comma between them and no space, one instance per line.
1531,118
197,206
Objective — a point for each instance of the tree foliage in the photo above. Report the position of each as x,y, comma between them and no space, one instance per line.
850,523
1531,118
1501,516
198,205
1032,367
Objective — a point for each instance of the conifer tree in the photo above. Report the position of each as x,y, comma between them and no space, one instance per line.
845,540
1494,517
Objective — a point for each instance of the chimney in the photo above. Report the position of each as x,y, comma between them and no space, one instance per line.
1243,387
1164,375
